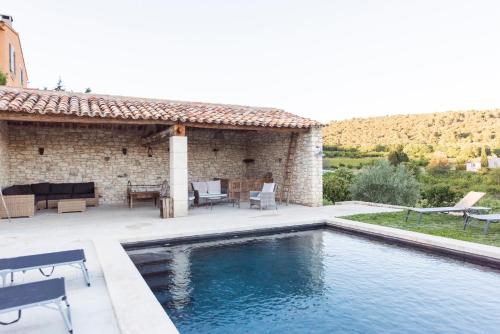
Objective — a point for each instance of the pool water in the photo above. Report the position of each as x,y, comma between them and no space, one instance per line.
318,281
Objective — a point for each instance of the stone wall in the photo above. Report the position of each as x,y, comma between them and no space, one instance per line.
4,154
94,154
85,154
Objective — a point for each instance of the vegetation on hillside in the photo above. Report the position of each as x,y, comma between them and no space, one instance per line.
451,132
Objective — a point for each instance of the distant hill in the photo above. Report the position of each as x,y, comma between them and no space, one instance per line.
445,129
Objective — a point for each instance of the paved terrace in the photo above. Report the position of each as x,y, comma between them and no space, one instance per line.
92,309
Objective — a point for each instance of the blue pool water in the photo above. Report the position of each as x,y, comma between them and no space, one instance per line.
318,281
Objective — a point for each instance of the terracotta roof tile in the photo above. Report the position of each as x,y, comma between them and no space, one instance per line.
104,106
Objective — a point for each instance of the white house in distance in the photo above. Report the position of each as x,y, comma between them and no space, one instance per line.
474,165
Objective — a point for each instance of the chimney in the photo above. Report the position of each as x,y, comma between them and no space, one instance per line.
7,19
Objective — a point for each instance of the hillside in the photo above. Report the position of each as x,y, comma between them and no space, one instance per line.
446,129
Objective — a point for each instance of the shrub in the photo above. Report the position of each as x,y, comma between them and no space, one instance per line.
384,183
439,163
440,195
336,185
397,156
413,167
494,176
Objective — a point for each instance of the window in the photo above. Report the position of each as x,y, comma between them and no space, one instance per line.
12,59
21,77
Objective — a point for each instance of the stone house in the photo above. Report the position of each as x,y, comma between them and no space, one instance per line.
48,136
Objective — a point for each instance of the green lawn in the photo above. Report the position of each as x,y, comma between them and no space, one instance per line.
443,225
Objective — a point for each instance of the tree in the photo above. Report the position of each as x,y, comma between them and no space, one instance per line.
484,157
397,156
88,90
388,184
3,79
59,86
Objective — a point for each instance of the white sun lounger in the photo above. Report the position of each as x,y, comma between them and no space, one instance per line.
463,206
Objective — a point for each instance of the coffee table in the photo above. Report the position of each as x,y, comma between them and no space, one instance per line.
215,198
71,205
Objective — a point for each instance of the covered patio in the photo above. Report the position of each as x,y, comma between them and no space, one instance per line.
62,137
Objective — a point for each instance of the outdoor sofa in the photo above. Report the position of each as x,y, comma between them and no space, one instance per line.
465,205
205,190
21,200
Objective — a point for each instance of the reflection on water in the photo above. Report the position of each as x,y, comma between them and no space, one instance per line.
317,281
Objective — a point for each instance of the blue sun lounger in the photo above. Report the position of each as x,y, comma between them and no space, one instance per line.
74,258
42,293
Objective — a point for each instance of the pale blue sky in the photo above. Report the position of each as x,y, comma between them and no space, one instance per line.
320,59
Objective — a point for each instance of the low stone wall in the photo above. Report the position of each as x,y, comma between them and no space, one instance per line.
79,154
4,154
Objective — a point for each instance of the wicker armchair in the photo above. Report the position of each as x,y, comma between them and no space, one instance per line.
17,206
265,198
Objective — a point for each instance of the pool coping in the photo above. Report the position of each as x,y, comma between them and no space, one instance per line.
138,311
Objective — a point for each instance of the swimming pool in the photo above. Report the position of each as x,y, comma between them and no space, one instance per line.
318,281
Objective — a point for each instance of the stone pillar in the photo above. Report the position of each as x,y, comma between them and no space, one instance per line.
179,175
4,154
307,184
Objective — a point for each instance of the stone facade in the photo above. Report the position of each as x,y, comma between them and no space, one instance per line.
270,150
76,154
4,154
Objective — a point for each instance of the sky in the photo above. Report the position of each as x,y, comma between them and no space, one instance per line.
326,60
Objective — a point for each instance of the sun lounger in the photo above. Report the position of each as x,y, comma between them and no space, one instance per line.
74,258
43,293
488,219
463,206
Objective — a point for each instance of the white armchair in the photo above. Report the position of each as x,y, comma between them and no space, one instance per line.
264,198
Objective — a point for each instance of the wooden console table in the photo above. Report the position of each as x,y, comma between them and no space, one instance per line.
142,192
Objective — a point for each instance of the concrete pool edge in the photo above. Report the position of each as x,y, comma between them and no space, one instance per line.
138,311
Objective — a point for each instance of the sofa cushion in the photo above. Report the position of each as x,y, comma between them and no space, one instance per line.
83,188
39,198
89,195
268,187
213,187
9,191
23,189
41,188
61,188
58,196
201,187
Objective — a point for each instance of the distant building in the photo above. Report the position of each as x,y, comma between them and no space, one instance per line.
474,165
11,54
